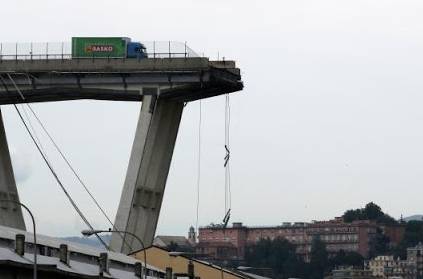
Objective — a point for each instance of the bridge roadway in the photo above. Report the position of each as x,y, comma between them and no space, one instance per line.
163,86
181,79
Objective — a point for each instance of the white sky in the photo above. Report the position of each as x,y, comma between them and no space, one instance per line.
330,117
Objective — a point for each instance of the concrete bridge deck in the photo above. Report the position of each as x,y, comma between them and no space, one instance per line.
180,79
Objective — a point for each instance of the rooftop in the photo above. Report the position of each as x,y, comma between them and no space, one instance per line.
167,240
83,259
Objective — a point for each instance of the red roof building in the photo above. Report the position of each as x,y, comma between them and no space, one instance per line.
336,234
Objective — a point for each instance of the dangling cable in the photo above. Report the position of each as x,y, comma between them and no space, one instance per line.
26,116
228,139
66,160
59,182
228,198
198,167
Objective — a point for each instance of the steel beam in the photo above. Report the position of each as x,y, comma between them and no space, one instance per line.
147,173
10,213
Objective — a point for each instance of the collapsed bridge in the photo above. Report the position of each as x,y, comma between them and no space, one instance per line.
163,85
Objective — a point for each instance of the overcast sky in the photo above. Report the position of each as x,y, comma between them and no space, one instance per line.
330,117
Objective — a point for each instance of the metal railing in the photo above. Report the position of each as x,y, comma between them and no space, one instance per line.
63,50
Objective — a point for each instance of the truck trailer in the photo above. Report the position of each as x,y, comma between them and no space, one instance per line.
107,47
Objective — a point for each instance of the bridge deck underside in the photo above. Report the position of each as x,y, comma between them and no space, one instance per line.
181,80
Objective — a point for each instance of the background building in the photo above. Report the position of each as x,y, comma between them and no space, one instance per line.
178,262
336,234
60,259
415,260
388,266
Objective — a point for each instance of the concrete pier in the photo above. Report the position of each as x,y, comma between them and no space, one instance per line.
10,213
147,172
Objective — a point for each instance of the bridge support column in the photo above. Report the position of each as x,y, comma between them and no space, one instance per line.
10,213
147,173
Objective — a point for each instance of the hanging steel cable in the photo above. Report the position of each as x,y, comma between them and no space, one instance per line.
63,156
228,198
68,163
198,166
43,155
28,119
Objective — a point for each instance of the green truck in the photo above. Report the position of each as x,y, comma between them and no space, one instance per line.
107,47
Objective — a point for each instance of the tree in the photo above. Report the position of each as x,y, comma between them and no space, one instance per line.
412,236
343,258
278,254
372,212
173,247
353,215
319,259
354,259
379,245
413,233
257,254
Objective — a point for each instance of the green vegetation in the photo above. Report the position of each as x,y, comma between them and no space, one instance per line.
319,259
279,255
343,258
413,235
174,247
370,212
380,245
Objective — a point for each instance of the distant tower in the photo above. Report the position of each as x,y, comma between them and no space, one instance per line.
192,238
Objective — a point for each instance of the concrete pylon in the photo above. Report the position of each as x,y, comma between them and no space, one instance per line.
147,173
10,213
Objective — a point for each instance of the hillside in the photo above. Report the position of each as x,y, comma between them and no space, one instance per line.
416,217
92,241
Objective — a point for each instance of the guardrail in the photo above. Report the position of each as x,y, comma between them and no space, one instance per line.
63,50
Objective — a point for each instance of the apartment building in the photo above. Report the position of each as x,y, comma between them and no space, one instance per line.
336,234
388,266
415,260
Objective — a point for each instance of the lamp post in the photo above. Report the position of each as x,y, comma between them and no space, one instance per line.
88,233
35,234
